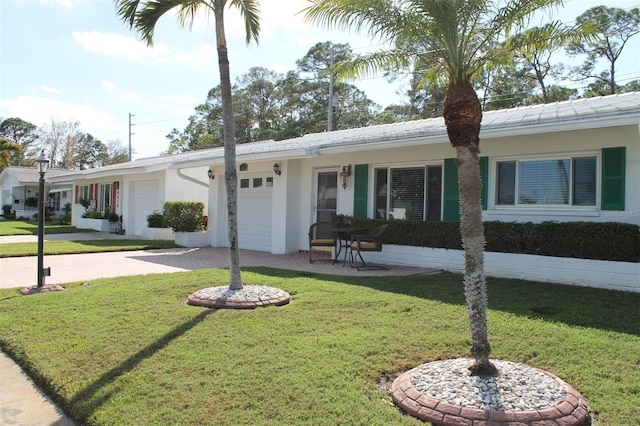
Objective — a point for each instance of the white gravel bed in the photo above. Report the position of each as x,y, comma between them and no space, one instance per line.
517,388
248,292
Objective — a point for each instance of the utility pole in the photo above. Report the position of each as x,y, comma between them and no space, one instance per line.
130,115
331,81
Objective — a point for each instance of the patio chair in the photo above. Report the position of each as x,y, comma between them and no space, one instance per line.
364,243
322,241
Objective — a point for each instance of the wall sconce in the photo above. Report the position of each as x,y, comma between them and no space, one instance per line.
211,175
276,169
344,174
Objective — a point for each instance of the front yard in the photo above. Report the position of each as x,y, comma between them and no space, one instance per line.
130,351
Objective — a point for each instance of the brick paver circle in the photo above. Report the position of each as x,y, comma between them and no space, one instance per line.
572,411
249,298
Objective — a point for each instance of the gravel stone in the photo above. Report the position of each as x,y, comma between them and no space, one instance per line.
248,292
517,388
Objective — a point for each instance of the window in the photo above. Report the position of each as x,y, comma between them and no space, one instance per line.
257,182
564,182
83,193
413,193
244,183
54,201
104,198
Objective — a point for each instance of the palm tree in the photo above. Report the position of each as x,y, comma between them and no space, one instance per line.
6,148
143,16
460,37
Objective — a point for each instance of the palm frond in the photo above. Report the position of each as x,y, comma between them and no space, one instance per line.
369,64
250,11
127,10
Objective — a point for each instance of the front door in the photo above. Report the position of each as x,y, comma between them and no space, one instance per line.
326,195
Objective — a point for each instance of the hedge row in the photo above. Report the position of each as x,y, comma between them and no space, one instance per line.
584,240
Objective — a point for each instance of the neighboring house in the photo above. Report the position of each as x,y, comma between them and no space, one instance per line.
133,190
20,188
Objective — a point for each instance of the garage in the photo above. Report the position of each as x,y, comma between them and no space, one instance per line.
255,194
144,200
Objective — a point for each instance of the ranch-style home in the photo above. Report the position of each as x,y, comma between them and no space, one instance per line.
569,161
133,190
20,187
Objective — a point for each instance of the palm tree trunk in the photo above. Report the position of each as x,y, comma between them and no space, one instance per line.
230,174
463,115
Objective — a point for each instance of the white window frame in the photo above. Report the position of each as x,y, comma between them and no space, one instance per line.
570,208
423,165
83,192
103,200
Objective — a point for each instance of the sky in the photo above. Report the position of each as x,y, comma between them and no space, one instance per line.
75,60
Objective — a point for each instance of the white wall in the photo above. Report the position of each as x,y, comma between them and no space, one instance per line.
623,276
583,142
177,187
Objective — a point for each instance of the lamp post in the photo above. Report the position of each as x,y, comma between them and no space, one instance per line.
43,164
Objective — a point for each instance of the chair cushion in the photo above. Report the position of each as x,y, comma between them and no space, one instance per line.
323,242
365,246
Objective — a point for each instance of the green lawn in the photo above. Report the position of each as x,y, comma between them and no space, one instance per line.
30,227
130,351
81,246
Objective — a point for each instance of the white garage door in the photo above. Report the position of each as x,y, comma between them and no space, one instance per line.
144,200
254,211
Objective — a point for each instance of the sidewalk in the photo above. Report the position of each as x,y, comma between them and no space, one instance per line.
21,403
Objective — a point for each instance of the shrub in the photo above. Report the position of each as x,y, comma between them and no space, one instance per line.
92,214
8,212
183,216
156,220
65,219
31,202
613,241
85,202
113,217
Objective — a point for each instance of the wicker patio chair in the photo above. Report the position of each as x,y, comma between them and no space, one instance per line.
322,241
364,243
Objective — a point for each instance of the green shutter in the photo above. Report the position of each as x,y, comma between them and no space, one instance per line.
360,190
613,176
451,196
484,176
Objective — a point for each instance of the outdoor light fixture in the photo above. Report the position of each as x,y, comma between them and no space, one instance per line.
344,175
276,169
211,175
43,165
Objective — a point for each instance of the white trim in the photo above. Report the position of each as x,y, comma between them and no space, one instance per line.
543,211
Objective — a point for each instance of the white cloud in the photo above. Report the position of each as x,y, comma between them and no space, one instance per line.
41,110
65,3
108,85
119,46
48,89
205,53
131,96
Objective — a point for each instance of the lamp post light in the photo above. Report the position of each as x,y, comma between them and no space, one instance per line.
43,164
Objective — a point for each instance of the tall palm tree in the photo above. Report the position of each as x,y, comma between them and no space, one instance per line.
143,15
459,36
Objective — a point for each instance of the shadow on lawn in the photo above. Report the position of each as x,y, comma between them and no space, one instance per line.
576,306
89,399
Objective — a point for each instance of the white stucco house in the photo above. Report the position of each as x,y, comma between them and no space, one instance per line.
569,161
20,188
133,190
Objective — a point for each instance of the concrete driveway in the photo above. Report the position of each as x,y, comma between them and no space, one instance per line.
21,271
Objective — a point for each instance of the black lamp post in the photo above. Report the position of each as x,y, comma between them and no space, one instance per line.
43,164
